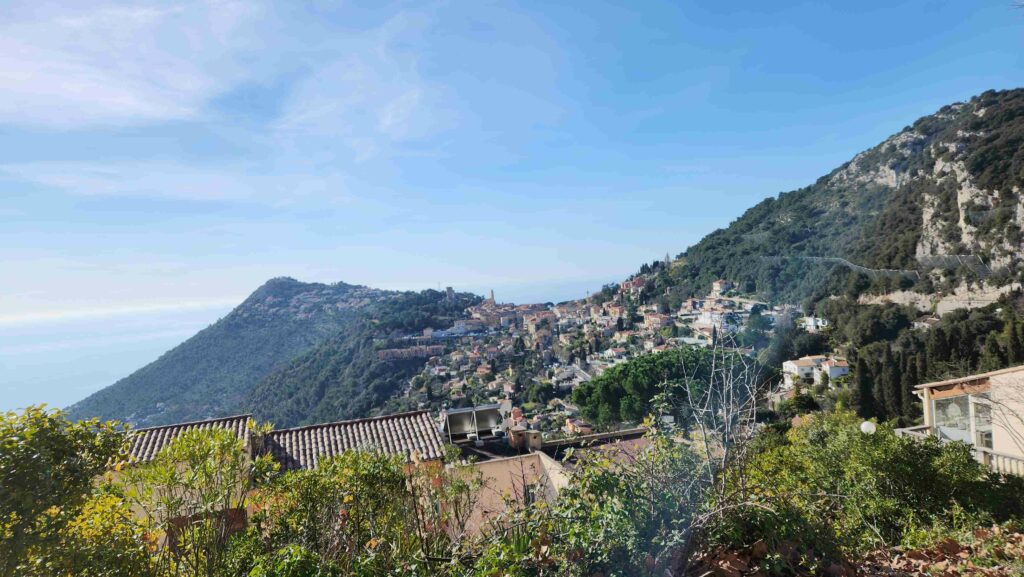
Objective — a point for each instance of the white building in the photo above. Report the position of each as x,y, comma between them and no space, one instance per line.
813,324
834,368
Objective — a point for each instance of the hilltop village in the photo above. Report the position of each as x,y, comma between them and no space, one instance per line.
535,355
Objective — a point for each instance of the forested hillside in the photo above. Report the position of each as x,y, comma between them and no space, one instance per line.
215,372
947,185
343,377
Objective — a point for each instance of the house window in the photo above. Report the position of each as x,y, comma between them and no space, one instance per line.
966,418
982,409
952,419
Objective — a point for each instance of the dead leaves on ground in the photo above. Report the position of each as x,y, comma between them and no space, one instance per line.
994,552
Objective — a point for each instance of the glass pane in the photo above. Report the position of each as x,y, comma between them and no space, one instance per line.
952,419
982,421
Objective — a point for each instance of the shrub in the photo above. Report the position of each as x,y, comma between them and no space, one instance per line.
826,486
47,466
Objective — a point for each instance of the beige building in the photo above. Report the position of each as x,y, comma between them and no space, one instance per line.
985,411
512,481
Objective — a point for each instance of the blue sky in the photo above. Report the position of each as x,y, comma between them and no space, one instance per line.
162,159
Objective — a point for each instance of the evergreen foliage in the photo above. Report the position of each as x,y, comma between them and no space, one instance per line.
292,352
343,378
774,248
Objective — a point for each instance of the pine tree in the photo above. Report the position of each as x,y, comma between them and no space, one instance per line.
922,367
864,397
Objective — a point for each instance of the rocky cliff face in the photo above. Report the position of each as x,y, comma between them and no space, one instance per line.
940,200
952,203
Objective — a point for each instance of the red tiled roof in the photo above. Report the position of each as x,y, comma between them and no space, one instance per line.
399,434
146,443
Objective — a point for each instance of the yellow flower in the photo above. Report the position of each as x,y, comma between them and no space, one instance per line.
372,543
347,499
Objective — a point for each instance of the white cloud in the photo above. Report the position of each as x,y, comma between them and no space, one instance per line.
371,95
87,63
99,64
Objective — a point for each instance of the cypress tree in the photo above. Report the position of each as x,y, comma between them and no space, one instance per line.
992,356
908,399
865,399
956,341
878,390
922,367
1014,349
937,347
891,397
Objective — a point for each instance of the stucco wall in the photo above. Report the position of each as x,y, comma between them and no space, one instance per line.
504,480
1008,414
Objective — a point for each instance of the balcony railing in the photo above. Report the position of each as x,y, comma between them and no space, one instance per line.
996,462
1000,463
920,431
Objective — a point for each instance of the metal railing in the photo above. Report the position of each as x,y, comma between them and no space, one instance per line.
996,462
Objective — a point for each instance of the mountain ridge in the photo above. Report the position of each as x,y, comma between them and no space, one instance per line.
947,185
210,373
896,214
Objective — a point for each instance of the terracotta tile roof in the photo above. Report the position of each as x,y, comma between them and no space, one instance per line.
146,443
398,434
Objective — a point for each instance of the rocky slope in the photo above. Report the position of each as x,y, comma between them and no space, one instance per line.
933,206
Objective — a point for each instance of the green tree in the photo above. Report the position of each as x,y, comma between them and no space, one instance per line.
363,514
865,398
833,488
47,468
992,356
922,367
908,400
103,540
1012,335
890,381
937,347
192,494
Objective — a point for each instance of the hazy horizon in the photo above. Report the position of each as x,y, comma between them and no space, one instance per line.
59,361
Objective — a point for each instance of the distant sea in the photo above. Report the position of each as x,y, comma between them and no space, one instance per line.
59,362
554,292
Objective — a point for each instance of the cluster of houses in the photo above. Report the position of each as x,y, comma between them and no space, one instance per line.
573,342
